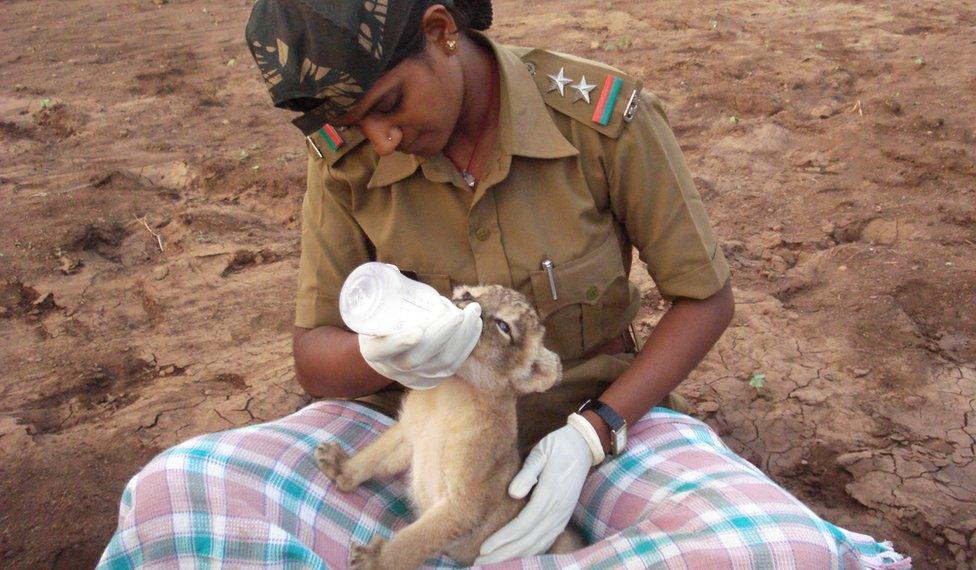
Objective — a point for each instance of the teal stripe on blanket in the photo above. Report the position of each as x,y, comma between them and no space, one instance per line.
297,488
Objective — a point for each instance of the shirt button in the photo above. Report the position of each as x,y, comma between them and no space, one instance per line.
482,234
592,293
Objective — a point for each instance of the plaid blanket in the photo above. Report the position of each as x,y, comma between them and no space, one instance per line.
677,498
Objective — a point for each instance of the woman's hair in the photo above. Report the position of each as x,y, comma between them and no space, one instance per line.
467,14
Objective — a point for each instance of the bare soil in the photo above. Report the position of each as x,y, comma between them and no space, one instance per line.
149,246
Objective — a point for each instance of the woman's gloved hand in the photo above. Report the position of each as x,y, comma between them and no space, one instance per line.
420,358
557,467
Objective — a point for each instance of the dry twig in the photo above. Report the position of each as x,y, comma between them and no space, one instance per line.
159,239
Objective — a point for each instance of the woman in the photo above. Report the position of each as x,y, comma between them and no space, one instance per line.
461,161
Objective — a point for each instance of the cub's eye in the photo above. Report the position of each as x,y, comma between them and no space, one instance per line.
503,326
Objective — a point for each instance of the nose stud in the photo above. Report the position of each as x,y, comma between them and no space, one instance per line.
389,139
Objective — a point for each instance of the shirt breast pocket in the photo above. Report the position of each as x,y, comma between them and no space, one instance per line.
592,298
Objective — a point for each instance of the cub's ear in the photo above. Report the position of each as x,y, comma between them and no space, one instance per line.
462,293
546,371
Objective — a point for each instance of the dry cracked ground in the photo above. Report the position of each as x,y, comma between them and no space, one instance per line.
149,248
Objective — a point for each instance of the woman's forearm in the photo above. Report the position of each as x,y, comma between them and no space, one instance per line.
328,364
681,339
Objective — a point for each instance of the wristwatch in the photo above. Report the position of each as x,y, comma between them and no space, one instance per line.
618,425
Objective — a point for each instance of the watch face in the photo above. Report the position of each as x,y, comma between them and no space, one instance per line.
619,439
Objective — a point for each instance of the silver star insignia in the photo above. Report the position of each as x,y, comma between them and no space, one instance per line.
582,90
559,82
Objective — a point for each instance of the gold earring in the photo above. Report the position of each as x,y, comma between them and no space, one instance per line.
451,45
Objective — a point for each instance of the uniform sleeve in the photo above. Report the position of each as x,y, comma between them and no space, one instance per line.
333,244
653,196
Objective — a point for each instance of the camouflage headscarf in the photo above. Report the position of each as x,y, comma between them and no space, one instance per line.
321,56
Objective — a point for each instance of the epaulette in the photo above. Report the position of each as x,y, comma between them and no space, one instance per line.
327,142
331,143
597,95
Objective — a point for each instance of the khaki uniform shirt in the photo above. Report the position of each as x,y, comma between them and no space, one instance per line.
559,186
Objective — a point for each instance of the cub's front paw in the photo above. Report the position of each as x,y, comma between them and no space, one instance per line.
331,459
367,556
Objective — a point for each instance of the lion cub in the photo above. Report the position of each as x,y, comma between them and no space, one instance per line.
459,441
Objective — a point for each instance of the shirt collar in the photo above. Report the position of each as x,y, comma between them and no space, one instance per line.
525,126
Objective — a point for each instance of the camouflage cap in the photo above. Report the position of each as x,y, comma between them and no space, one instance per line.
324,53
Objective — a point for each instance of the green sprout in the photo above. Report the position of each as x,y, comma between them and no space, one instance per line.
758,380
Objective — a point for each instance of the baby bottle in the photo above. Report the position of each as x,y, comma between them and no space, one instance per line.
376,299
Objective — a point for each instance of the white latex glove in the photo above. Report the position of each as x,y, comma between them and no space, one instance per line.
557,467
420,358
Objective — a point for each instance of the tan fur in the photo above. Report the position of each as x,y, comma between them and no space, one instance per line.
459,442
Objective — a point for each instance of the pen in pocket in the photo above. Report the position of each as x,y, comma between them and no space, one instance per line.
548,266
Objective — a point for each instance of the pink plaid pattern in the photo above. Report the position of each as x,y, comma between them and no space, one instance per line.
677,498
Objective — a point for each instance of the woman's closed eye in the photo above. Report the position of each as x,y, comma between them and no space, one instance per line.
388,105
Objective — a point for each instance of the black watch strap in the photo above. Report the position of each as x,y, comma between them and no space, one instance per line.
609,415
